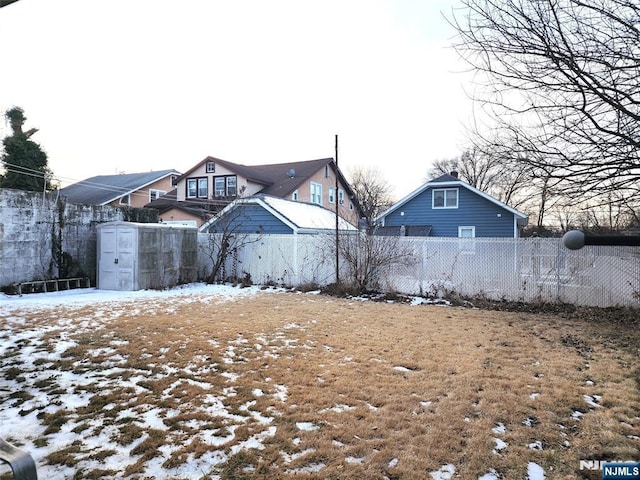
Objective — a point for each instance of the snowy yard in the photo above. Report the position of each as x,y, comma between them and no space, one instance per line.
224,382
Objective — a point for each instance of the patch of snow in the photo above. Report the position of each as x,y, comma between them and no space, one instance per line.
400,368
499,429
356,460
338,409
500,445
535,472
444,473
393,462
537,445
288,458
281,393
533,396
306,426
576,415
338,444
312,468
425,404
592,400
490,475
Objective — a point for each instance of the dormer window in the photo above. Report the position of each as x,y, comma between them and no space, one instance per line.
211,167
125,200
226,186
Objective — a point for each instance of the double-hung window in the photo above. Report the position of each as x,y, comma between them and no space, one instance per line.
445,198
203,187
220,187
226,186
197,187
316,193
232,186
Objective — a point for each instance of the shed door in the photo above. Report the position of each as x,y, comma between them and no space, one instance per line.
116,267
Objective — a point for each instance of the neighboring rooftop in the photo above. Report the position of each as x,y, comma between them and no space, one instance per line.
103,189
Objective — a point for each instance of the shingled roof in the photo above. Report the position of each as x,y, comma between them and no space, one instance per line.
103,189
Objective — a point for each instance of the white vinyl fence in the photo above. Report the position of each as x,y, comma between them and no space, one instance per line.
523,269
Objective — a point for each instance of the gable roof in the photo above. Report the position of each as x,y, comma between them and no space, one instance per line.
279,179
103,189
448,180
301,217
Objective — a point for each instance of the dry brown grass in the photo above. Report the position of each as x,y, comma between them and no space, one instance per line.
391,390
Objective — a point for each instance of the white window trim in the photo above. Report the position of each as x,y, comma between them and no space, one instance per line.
156,192
195,180
317,187
467,227
341,196
445,190
467,245
294,196
332,195
200,180
210,167
125,200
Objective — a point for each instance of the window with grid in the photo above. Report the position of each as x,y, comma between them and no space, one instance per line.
316,193
445,198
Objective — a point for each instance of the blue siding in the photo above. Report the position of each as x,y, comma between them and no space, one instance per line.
251,219
473,210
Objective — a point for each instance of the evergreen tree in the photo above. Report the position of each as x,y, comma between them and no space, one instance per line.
25,163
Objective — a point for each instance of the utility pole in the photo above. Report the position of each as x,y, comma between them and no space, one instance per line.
335,197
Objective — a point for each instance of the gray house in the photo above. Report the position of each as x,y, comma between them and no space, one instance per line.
449,207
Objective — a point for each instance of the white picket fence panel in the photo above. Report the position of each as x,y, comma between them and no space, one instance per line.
523,269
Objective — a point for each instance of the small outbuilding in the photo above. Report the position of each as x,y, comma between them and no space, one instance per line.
140,256
264,214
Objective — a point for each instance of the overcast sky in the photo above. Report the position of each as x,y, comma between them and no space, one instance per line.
139,85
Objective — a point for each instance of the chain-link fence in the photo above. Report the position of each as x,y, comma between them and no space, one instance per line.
524,269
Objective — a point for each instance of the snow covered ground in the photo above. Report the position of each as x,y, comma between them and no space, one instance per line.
28,362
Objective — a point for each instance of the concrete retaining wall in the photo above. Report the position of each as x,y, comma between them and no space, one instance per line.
43,236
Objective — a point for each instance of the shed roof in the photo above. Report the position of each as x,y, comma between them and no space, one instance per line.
300,216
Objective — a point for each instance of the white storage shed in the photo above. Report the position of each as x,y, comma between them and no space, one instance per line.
140,256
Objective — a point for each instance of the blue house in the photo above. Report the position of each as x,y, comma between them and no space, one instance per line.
265,214
449,207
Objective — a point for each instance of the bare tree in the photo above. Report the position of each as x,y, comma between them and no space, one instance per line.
227,236
367,258
373,193
496,172
559,79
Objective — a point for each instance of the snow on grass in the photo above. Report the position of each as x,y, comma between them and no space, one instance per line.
444,473
490,475
499,429
500,445
535,471
230,415
306,426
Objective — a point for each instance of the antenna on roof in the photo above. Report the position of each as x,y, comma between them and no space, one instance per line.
292,172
